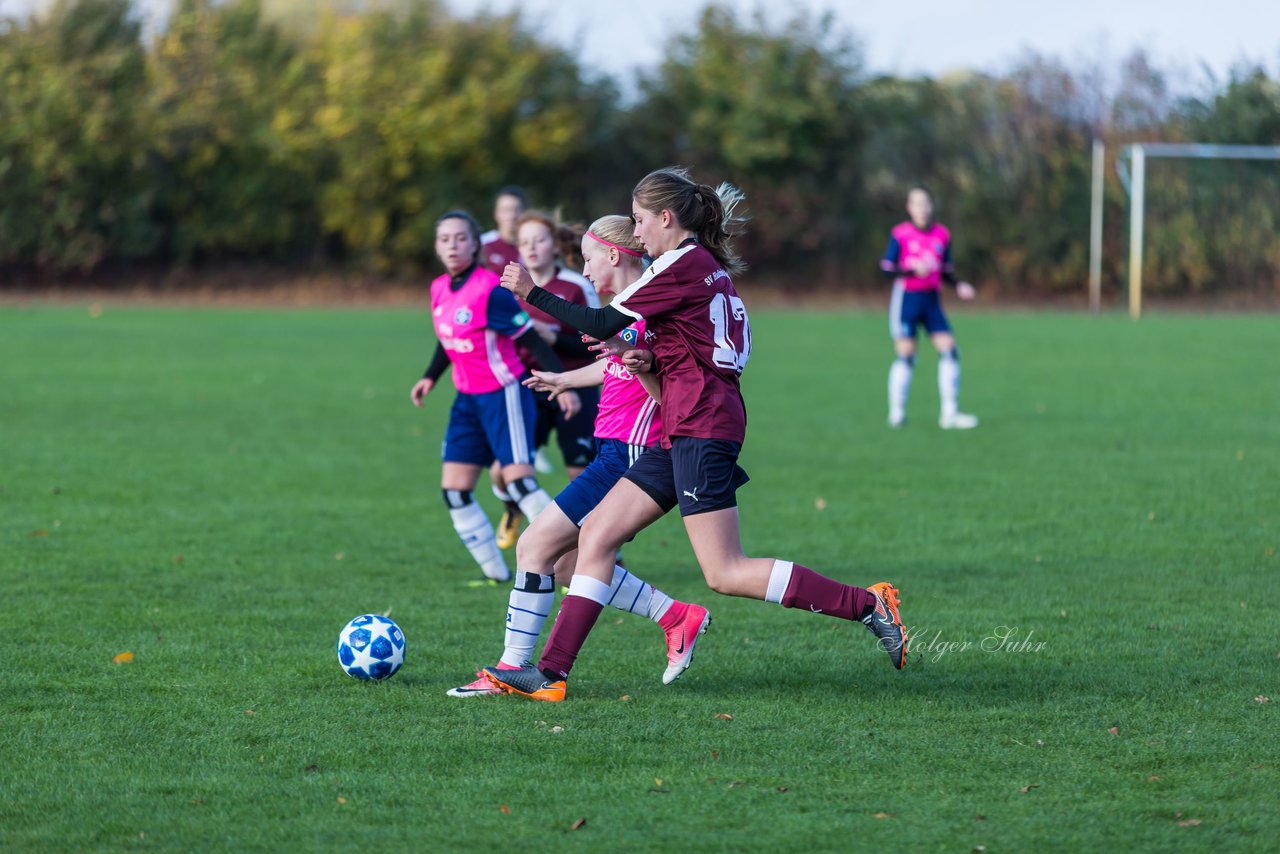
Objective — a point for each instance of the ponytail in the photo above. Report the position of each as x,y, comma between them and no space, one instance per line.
710,213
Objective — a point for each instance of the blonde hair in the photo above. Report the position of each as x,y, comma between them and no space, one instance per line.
618,230
708,212
567,238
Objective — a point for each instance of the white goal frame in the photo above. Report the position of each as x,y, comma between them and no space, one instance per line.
1135,187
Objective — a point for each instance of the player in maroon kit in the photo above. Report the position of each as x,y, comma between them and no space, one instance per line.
498,247
702,343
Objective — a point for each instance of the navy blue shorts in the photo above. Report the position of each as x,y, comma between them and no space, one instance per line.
911,309
584,492
494,425
576,435
700,475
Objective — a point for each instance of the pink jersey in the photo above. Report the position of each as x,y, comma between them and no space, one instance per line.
627,412
928,247
496,253
703,341
483,359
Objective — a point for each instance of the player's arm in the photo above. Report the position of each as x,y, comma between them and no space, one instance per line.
587,376
506,317
889,263
439,364
964,290
599,323
644,367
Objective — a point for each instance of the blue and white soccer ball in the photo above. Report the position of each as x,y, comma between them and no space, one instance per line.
371,647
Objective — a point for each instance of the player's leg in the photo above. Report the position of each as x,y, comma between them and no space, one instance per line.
624,511
711,520
949,416
902,330
465,453
512,518
510,419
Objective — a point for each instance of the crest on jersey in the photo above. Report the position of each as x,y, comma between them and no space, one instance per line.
497,259
462,315
629,335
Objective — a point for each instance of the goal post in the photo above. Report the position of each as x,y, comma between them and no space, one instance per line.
1134,177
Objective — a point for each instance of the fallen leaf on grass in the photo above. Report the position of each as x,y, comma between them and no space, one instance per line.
733,785
179,559
1191,822
578,825
1261,699
882,815
339,555
250,712
123,658
312,769
820,503
784,788
557,729
1154,778
40,533
341,799
625,697
1115,730
715,754
979,848
724,717
1026,789
657,781
979,817
504,809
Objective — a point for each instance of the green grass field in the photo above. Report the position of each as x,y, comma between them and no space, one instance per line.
219,491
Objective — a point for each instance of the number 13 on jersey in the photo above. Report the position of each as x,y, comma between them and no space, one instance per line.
729,318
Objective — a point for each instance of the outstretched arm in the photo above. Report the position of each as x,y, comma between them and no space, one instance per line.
597,322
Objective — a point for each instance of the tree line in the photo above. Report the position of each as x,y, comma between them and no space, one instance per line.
265,132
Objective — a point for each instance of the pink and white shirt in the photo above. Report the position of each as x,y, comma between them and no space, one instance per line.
627,412
476,325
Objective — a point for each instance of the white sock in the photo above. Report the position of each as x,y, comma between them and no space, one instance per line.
531,497
949,381
899,385
500,494
633,595
527,608
476,532
588,588
779,580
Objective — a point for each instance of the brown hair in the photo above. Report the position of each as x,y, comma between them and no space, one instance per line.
707,212
472,226
567,238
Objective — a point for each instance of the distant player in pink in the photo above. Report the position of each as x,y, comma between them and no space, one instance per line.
918,260
498,247
702,343
627,423
478,327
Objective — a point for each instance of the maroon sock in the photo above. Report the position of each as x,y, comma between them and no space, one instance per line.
577,615
824,595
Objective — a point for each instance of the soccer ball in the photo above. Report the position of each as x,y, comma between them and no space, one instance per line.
371,647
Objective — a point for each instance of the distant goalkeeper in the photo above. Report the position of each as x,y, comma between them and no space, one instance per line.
918,260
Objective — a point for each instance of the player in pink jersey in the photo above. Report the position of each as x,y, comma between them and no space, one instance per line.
498,247
627,423
478,326
918,260
702,343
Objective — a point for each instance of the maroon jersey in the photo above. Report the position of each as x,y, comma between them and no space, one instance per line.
703,342
576,289
496,253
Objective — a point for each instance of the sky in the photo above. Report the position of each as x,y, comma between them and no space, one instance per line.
914,37
933,37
